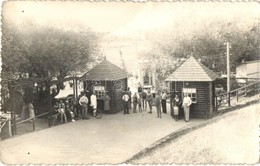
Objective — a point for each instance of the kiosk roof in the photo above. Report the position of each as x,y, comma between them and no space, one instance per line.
192,70
105,71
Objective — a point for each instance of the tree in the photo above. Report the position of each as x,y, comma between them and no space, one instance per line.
208,43
47,52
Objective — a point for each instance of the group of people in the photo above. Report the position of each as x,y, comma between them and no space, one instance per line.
79,107
177,104
141,100
68,110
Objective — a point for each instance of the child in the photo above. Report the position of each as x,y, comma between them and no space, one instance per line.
175,112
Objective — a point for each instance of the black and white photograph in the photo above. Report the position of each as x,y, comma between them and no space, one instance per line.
130,82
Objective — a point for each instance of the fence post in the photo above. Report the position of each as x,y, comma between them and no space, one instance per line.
245,91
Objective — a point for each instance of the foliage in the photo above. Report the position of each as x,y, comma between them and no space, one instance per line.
207,43
47,52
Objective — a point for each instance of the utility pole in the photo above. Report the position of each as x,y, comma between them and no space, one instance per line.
228,74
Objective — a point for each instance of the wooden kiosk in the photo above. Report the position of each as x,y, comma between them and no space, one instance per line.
196,80
106,77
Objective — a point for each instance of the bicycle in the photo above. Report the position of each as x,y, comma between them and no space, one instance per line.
98,113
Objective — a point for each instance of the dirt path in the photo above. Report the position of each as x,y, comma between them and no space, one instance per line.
112,139
233,138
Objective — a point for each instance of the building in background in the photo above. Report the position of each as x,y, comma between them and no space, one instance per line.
248,71
198,82
108,78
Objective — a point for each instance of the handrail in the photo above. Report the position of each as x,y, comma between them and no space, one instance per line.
222,94
31,118
244,87
7,119
239,92
4,122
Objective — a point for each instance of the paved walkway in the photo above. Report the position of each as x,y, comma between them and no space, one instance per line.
112,139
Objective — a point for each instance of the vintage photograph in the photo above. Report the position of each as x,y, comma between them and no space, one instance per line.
133,82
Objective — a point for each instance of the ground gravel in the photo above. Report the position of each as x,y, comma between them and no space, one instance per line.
233,138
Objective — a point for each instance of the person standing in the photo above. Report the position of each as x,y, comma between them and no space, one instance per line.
139,101
135,101
107,103
186,106
130,98
157,103
176,107
74,106
93,101
83,102
31,111
68,111
78,106
140,89
125,99
24,110
164,97
62,112
144,101
149,98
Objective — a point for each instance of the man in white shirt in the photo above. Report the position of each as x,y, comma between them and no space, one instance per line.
186,106
83,101
125,99
93,101
164,97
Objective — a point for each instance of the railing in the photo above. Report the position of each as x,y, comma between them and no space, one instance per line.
224,99
3,123
31,119
52,120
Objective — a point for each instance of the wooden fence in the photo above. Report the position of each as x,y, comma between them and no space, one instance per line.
224,99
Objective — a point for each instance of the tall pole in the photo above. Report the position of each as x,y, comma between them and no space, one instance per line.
228,73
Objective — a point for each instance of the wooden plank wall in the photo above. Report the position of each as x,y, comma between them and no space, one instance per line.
119,86
115,91
199,109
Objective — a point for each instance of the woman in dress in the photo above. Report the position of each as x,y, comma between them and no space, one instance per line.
107,102
31,111
176,107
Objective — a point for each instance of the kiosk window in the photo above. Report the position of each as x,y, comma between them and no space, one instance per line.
100,91
191,92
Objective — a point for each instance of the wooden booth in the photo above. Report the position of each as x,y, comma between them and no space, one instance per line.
106,77
196,80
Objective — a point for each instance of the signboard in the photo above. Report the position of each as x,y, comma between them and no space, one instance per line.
98,88
189,90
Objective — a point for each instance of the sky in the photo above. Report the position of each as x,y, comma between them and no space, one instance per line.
122,18
126,19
